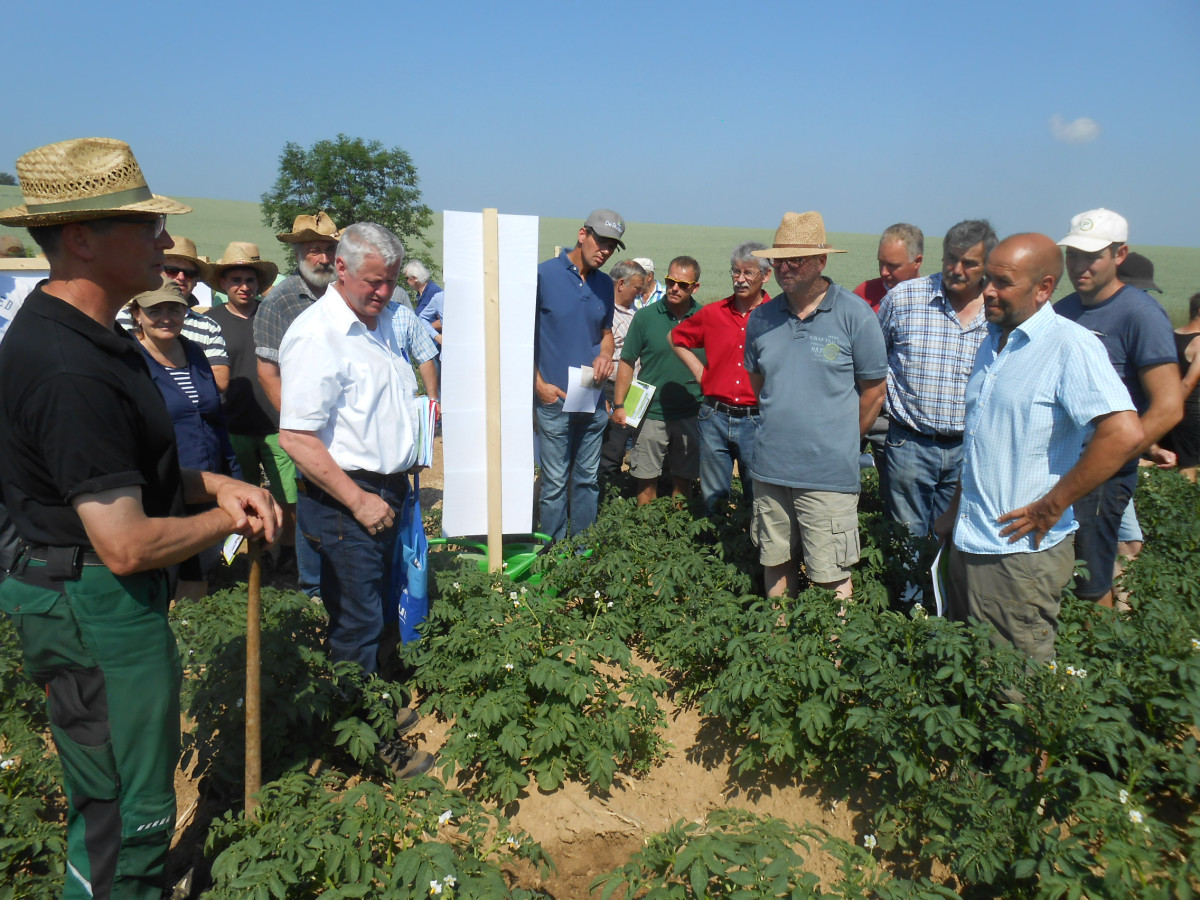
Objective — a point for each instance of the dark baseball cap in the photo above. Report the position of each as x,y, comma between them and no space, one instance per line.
1138,272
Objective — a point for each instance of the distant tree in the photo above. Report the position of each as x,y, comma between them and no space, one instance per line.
353,181
8,178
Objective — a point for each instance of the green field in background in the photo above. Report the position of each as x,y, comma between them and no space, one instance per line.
215,223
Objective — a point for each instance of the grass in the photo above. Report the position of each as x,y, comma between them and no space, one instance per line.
215,223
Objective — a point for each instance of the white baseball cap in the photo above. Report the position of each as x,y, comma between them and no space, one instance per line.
1095,229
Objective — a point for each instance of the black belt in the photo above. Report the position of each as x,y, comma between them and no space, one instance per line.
936,437
737,412
377,479
84,556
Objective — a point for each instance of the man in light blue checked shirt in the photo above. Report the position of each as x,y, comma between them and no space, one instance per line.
932,327
1038,390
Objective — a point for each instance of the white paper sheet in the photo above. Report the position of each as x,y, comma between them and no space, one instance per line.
14,288
579,398
464,419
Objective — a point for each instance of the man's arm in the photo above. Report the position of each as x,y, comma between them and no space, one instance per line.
870,401
547,393
429,375
1192,376
307,451
128,541
272,384
221,377
1165,391
602,365
1116,438
621,390
756,383
691,360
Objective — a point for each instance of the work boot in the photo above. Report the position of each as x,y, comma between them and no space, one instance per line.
405,761
406,720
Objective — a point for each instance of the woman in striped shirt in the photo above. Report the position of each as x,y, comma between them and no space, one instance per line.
185,379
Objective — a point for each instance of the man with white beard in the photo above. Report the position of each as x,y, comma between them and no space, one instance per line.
314,239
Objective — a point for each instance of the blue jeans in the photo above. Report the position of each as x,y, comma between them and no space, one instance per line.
355,568
918,478
569,445
1099,516
724,438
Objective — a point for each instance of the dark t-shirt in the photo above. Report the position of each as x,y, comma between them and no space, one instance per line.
246,406
79,414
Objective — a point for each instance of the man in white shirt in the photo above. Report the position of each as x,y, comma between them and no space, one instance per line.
347,419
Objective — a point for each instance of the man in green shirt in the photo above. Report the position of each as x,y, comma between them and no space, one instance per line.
669,430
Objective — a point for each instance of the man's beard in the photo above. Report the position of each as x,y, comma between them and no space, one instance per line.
319,276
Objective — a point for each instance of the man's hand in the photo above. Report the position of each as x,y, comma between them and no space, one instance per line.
619,417
548,393
1162,457
373,513
1038,517
602,367
253,510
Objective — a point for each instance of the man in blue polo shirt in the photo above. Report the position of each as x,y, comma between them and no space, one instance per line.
573,328
817,364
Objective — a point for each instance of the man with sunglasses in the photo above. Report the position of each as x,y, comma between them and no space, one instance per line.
183,268
573,329
92,478
817,365
668,432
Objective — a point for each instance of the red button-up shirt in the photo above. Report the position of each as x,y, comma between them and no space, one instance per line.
721,330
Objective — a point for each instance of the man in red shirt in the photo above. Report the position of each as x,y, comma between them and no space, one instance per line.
901,249
728,419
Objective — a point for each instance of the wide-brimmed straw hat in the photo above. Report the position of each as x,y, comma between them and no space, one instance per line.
185,248
81,179
242,255
799,234
311,228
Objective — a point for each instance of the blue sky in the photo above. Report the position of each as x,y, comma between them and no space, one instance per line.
698,113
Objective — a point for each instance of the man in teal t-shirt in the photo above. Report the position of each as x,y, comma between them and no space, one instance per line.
669,430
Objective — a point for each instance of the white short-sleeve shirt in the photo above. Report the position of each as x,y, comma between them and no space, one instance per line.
351,385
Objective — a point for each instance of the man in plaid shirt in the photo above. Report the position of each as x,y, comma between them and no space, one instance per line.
932,327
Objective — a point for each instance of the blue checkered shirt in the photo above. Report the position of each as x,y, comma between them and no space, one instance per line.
929,356
1029,412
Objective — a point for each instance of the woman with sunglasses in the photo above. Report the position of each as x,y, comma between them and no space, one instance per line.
185,380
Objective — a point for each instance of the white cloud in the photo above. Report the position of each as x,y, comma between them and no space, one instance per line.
1081,131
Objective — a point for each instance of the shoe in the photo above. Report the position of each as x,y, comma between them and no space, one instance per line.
404,761
406,720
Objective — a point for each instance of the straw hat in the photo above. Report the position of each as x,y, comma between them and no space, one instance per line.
243,255
311,228
80,179
184,248
799,234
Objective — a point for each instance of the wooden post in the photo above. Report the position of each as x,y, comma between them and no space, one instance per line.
491,331
253,703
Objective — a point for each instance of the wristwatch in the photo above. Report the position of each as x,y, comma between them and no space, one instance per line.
618,406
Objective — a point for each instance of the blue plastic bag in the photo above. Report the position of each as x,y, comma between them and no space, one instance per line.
410,567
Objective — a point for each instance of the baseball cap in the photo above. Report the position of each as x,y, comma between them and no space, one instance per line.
1095,229
1138,271
607,223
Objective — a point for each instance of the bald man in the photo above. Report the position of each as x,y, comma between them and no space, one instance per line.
1038,386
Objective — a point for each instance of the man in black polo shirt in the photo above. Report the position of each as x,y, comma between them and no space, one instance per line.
93,484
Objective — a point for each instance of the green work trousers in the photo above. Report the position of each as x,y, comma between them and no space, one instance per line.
102,647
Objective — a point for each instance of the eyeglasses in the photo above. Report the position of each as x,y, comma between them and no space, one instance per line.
790,262
683,285
748,275
604,243
155,226
172,271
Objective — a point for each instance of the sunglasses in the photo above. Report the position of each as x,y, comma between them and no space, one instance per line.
790,262
671,282
172,271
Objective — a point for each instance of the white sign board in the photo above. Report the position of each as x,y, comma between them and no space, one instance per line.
464,414
15,286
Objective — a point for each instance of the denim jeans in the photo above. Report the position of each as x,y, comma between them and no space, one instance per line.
569,446
355,568
918,478
724,438
1099,516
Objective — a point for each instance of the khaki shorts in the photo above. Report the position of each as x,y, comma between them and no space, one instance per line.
677,441
822,524
1019,593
